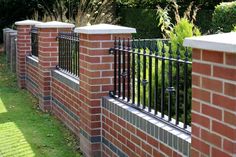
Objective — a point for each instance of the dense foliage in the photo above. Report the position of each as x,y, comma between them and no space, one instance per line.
224,17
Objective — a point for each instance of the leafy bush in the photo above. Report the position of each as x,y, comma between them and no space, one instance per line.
181,30
224,17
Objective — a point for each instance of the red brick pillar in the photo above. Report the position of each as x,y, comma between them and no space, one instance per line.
48,57
96,73
23,48
213,95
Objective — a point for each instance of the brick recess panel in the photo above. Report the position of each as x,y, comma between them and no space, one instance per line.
68,97
214,99
131,140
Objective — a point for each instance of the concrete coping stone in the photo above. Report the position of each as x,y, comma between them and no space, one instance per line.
104,29
225,42
55,24
27,22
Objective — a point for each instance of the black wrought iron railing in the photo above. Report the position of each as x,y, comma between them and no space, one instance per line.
69,53
154,77
34,41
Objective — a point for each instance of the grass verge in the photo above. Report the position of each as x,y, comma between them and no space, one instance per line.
24,129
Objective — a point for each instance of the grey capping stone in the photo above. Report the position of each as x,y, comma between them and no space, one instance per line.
32,61
66,79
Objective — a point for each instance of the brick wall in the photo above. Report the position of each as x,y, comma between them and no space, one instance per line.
214,103
213,95
31,79
110,128
128,132
65,106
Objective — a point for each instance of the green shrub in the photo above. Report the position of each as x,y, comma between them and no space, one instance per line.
181,30
224,17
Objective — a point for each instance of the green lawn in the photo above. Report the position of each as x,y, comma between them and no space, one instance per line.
26,131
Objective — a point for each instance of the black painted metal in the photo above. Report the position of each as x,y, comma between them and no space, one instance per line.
69,53
149,83
34,41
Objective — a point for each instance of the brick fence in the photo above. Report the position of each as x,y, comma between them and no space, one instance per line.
106,127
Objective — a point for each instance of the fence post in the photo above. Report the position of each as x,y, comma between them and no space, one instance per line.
13,51
48,57
96,79
23,48
213,95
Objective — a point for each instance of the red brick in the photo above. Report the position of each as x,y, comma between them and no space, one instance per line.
213,56
224,102
224,130
216,152
157,153
201,94
99,37
224,73
194,153
146,147
212,111
195,80
196,106
230,89
136,140
195,130
122,139
200,146
165,150
212,138
199,119
230,58
126,133
130,144
153,142
229,146
197,54
230,118
140,134
201,68
212,84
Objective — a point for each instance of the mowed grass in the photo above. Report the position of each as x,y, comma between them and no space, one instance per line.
26,131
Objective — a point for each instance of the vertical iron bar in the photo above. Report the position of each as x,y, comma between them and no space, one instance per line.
119,68
156,81
144,83
170,89
185,87
163,81
177,86
70,51
66,51
150,79
138,72
124,70
115,66
133,73
59,58
77,55
128,70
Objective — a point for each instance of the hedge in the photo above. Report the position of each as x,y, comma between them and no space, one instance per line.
224,17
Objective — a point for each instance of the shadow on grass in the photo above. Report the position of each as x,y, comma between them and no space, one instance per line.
25,130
